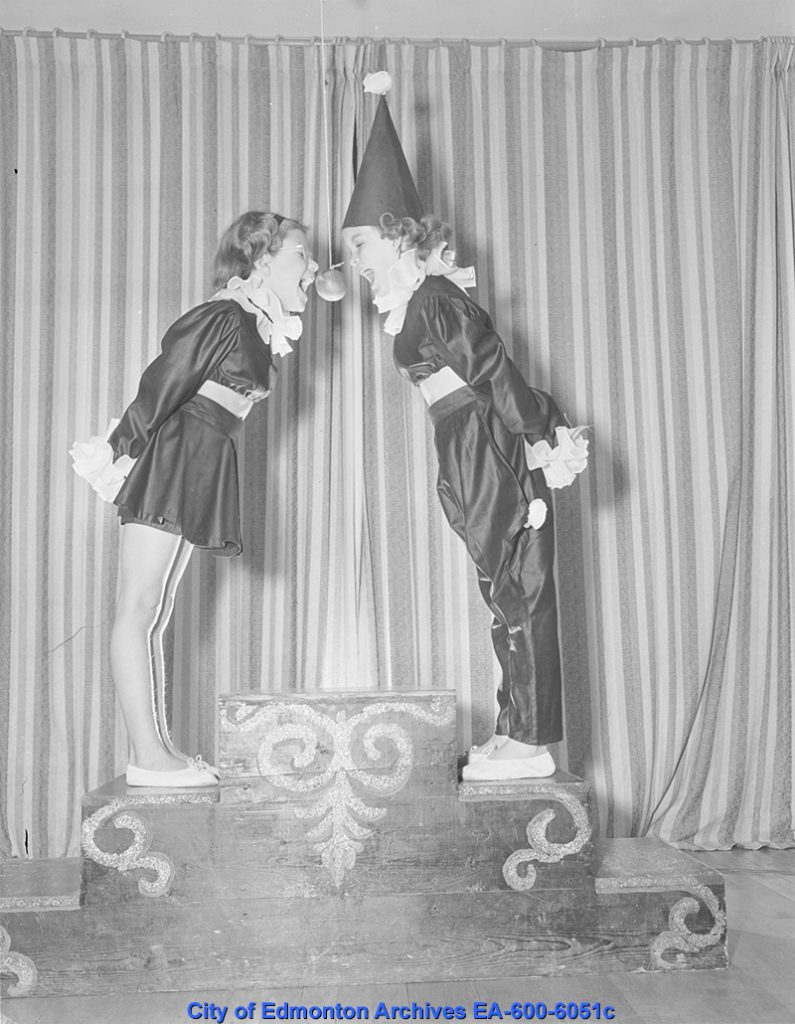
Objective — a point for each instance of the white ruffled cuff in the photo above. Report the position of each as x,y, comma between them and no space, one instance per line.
93,461
563,462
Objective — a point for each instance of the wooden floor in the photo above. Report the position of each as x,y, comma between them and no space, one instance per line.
758,988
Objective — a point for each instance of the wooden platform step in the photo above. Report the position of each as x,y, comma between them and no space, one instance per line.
34,888
194,848
276,747
340,844
634,880
40,884
161,945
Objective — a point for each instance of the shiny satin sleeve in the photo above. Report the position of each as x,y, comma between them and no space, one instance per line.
191,349
462,333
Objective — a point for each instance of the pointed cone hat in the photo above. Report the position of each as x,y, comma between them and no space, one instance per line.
384,183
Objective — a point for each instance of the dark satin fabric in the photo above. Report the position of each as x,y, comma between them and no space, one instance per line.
485,487
197,496
185,477
444,327
215,341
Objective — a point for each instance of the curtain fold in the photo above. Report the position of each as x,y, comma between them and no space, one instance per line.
629,212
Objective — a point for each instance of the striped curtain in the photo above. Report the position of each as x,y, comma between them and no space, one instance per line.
629,212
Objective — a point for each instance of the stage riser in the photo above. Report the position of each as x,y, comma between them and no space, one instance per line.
269,943
450,882
414,728
425,846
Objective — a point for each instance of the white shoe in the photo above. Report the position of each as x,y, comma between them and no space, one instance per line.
183,778
489,769
493,743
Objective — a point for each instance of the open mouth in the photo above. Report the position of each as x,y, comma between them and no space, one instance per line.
298,304
368,275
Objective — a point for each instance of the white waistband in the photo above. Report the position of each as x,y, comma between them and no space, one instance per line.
439,384
231,400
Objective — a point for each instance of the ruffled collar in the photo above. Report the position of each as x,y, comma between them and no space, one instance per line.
274,324
406,275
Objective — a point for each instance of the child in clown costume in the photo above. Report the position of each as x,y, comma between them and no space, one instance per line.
501,444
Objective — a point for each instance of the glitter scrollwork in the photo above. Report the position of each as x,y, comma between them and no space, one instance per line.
136,855
340,837
18,964
679,937
340,814
541,849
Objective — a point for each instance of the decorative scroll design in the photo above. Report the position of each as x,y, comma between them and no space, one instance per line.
136,855
679,936
541,849
15,963
339,834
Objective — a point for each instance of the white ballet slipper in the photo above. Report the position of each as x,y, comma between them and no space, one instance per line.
492,743
491,769
183,778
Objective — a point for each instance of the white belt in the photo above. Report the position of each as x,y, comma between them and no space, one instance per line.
231,400
439,384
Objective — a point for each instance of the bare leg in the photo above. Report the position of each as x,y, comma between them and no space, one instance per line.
175,573
148,558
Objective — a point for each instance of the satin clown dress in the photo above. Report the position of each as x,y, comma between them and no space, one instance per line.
171,461
501,444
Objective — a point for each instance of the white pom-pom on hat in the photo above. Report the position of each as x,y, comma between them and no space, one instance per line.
378,82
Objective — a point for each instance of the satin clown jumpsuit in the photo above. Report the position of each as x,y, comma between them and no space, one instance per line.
485,488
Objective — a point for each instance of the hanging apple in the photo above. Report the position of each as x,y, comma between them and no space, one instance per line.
330,284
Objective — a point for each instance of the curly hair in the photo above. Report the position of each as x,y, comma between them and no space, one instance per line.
246,239
424,235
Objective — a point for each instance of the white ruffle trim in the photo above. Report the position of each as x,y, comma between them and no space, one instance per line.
406,275
93,461
563,462
274,324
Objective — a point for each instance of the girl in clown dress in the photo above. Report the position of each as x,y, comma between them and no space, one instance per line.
170,464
